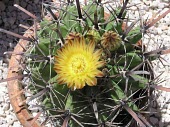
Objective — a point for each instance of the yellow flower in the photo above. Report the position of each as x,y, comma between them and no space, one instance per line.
77,64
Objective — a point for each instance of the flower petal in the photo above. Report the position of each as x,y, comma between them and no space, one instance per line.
99,74
60,80
91,47
91,81
97,54
100,64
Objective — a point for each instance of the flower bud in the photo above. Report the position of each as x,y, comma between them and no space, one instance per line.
71,36
111,40
93,36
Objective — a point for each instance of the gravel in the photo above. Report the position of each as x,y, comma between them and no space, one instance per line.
159,36
10,18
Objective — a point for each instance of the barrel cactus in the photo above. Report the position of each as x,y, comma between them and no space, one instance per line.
86,69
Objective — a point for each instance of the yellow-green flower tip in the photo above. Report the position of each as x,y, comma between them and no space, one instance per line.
93,36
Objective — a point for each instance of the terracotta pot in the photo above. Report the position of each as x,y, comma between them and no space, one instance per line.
15,88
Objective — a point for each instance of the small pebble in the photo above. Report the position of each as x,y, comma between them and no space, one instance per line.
10,119
153,104
161,5
16,124
168,32
161,124
6,106
155,4
2,6
154,120
7,112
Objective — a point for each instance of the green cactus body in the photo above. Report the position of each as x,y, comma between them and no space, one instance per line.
124,81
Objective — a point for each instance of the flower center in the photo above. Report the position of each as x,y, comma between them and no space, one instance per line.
78,64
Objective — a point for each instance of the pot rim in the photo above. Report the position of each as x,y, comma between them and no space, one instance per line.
14,86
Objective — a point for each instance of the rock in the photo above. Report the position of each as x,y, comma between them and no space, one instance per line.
14,116
8,40
6,96
24,16
4,75
4,20
36,1
16,30
5,66
0,79
154,120
29,7
3,89
11,8
6,60
6,106
16,124
3,121
166,117
7,25
167,21
1,60
16,2
153,104
10,119
23,4
14,26
146,8
3,86
11,45
1,21
11,108
2,6
154,4
159,31
30,2
10,49
8,36
168,32
13,14
28,94
2,99
3,15
3,115
21,31
1,111
161,124
34,114
6,1
153,111
7,112
163,111
11,20
161,5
